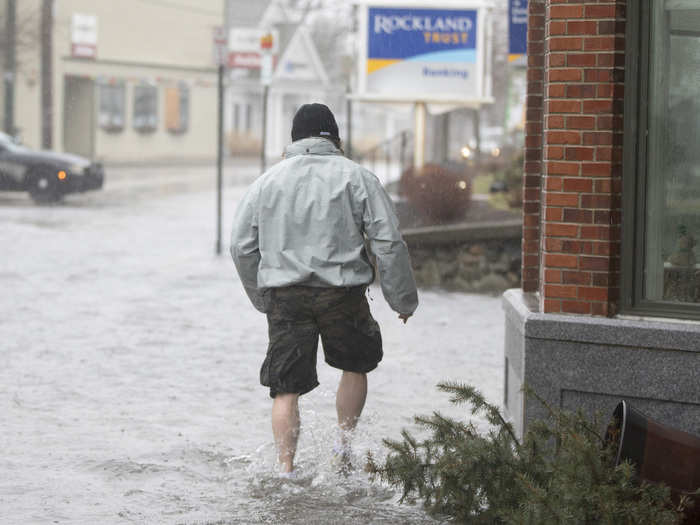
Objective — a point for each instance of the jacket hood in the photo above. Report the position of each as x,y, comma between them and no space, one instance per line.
311,146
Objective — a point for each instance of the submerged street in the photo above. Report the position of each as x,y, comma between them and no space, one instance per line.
129,359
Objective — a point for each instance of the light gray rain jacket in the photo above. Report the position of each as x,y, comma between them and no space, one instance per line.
304,221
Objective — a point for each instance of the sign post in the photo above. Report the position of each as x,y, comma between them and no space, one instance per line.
419,146
10,67
220,57
267,43
348,122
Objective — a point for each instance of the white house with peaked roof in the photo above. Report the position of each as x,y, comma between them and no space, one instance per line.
298,78
130,81
279,13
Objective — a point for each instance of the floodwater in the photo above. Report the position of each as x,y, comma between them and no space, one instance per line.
129,360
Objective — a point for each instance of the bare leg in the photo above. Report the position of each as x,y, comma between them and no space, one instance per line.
285,428
349,402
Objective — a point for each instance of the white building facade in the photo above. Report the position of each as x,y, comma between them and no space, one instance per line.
131,81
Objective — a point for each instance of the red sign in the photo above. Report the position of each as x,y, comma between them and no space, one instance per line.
244,60
248,60
267,41
83,50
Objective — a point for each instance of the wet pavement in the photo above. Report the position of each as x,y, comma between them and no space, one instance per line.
129,359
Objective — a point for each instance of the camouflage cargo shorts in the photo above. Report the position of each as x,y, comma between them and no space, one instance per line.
297,315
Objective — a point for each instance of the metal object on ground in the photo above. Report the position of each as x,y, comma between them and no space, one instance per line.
659,453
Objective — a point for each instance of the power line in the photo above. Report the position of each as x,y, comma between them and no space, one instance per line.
181,7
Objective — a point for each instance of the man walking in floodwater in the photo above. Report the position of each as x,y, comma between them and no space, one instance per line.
298,243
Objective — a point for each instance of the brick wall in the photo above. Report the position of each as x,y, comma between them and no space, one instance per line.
573,202
534,127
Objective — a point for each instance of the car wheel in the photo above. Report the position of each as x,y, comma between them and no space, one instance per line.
43,188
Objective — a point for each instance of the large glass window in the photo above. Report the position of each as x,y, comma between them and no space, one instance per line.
248,118
242,117
236,117
112,105
665,166
145,108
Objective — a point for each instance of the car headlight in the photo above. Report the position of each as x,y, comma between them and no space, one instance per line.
76,169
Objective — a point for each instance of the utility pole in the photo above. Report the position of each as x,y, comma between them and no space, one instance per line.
263,147
348,120
10,67
420,114
220,158
477,131
47,74
222,58
266,45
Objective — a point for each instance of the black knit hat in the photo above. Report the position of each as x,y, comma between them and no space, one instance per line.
314,120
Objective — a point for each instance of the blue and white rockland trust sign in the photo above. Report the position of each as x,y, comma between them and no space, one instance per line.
517,29
427,51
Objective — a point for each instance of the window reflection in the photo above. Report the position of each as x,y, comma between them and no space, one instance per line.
672,261
112,105
145,108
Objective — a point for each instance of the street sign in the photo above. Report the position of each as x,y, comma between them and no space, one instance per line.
415,53
84,36
517,29
219,48
267,42
246,44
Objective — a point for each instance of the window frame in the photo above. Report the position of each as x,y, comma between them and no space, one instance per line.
113,86
248,117
153,116
635,174
185,104
236,117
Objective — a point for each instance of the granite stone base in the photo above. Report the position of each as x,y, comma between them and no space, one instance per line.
592,363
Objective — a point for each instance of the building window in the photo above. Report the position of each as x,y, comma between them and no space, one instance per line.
112,106
145,108
177,108
236,117
661,275
242,120
248,118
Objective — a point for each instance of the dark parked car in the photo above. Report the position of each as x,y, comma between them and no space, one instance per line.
46,175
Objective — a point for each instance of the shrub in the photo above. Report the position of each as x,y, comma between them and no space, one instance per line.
560,473
439,193
513,176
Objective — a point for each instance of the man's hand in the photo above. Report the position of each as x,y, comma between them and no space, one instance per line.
404,317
